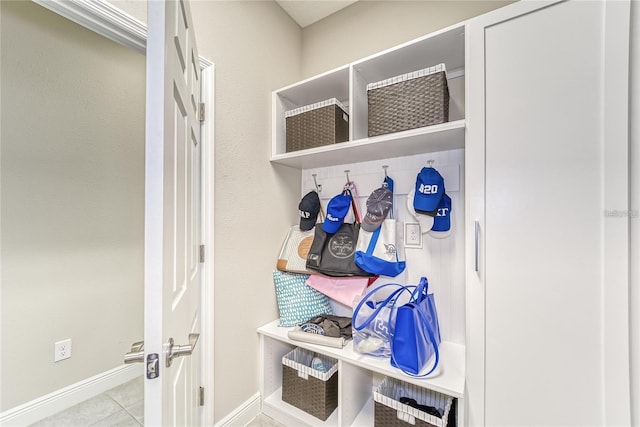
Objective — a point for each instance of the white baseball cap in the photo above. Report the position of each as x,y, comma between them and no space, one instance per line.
426,221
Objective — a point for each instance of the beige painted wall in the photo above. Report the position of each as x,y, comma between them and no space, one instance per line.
368,27
256,49
72,168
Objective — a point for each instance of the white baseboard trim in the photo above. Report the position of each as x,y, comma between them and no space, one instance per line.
242,414
59,400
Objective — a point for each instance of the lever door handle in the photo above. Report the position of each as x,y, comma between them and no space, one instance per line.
174,350
136,354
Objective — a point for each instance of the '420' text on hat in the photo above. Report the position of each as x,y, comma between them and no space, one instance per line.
429,190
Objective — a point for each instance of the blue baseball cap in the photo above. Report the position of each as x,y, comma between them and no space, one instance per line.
429,190
442,220
337,209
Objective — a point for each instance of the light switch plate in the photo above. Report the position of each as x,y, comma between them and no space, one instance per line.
412,235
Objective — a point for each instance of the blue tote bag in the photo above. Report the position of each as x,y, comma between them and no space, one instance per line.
416,335
374,318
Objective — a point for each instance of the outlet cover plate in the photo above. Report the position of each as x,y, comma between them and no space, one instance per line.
412,235
62,350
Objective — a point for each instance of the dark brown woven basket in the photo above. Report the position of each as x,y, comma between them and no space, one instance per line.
410,103
390,412
317,127
313,395
387,417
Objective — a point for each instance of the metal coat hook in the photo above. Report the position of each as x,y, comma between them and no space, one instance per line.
384,183
347,186
430,163
318,187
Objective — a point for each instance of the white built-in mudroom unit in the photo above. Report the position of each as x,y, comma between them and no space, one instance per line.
532,284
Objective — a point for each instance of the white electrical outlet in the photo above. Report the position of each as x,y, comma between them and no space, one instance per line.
62,350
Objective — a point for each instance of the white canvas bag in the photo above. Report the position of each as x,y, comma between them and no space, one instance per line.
377,252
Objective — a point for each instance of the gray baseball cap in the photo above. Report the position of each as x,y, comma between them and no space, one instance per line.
378,206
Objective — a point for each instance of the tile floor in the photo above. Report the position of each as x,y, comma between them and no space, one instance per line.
122,406
264,421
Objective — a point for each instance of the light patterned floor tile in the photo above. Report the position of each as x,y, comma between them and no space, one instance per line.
137,411
128,394
119,419
264,421
83,414
121,406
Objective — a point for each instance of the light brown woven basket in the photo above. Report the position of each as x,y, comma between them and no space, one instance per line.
409,101
316,125
305,388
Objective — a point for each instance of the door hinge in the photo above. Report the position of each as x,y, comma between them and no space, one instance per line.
201,396
201,114
201,253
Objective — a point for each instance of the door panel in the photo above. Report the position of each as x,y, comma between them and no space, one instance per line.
172,267
544,217
546,158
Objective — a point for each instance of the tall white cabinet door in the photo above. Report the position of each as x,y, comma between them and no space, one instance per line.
547,262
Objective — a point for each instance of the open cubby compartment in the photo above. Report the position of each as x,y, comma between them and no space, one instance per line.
355,391
358,376
272,403
444,46
332,84
359,384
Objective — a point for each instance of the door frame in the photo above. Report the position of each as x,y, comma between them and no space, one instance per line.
107,20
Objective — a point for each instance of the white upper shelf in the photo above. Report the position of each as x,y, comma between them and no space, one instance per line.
348,84
445,136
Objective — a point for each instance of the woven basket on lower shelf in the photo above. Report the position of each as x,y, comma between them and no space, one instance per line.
390,412
315,125
308,389
408,101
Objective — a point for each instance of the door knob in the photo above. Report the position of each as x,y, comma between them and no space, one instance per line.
136,354
174,350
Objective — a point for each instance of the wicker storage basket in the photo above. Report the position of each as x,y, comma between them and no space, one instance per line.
389,412
314,125
408,101
313,391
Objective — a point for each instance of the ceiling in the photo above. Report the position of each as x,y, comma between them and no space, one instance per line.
306,12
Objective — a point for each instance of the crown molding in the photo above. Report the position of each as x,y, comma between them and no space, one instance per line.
107,20
103,18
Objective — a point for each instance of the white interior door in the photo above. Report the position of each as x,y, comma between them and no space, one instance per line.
172,217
